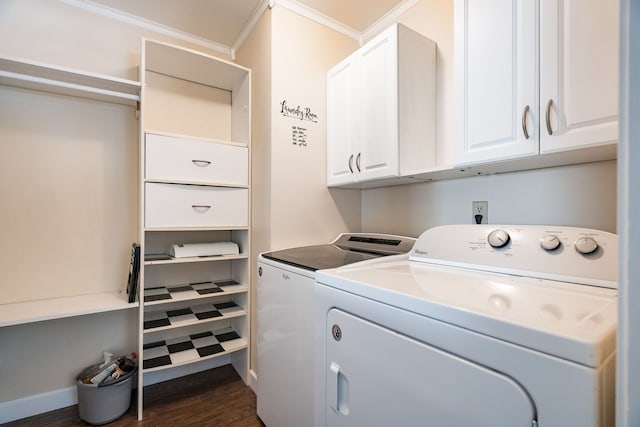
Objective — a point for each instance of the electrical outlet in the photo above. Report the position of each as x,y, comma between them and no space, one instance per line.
479,212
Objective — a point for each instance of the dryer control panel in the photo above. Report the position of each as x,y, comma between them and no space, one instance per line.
569,254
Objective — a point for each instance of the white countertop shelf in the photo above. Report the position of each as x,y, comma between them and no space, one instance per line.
19,313
67,81
180,351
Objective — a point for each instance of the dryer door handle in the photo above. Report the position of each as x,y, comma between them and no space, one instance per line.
338,390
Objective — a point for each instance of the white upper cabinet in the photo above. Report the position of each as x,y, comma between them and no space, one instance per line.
341,126
578,73
496,79
381,109
534,77
377,120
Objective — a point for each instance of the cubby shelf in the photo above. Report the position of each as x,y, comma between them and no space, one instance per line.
188,295
201,314
187,260
164,354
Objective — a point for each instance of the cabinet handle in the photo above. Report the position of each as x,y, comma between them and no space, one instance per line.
525,113
201,207
548,117
358,162
351,163
201,163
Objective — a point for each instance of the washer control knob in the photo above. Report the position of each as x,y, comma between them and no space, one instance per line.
498,238
586,245
550,242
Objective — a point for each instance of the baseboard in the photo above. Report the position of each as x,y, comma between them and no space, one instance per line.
68,396
253,380
37,404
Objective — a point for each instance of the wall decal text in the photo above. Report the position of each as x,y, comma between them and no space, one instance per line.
297,112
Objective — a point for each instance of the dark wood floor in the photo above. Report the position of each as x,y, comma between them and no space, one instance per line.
212,398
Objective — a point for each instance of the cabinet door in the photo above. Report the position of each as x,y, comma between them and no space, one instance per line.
578,73
341,110
377,121
496,80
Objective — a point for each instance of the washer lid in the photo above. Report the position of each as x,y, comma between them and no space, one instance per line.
347,248
574,322
318,257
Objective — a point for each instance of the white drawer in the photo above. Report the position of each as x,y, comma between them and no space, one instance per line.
175,205
179,159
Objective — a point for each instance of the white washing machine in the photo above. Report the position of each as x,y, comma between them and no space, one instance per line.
483,326
285,323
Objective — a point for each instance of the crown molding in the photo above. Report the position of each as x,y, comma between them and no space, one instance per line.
318,17
389,18
251,23
292,5
136,21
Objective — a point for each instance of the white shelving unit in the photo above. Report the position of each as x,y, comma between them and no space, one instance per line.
27,74
194,187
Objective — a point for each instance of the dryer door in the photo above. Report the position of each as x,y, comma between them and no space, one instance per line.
377,377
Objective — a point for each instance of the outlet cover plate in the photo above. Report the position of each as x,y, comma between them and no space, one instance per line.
480,208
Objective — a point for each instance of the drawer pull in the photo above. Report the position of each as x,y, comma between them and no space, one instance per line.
201,163
201,208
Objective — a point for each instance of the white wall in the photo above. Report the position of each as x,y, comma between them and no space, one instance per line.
255,54
579,195
303,211
46,356
291,205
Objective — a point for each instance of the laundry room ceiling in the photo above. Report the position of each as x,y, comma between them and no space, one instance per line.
222,21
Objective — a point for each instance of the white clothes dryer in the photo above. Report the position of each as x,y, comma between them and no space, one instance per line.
483,326
285,316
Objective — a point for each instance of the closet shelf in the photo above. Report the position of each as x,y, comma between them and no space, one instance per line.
67,81
162,320
173,352
167,295
57,308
